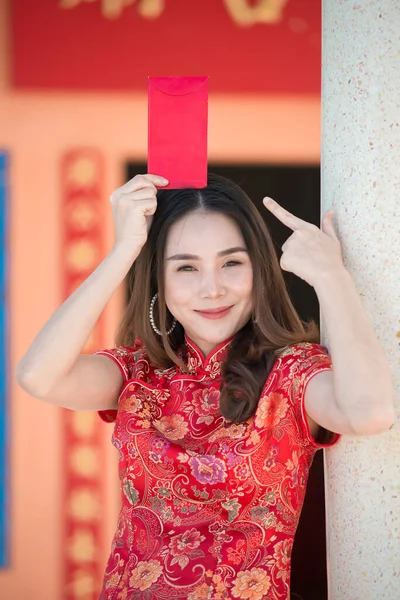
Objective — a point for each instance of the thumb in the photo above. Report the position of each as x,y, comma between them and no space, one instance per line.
327,225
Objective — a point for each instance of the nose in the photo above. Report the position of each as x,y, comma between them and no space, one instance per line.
211,285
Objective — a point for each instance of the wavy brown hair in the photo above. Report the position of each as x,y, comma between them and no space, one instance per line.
275,323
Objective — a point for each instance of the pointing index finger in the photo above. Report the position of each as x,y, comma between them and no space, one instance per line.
286,217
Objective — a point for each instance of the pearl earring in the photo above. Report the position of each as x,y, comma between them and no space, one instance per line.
151,317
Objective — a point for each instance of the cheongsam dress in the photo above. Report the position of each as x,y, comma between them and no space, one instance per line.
209,507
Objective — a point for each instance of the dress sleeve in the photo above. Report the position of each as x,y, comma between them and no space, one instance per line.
310,359
125,358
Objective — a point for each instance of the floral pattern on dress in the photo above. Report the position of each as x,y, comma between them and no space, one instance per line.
209,507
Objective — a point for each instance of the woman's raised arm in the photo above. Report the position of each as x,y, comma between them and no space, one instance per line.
53,369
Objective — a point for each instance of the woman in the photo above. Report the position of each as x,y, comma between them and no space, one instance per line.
221,395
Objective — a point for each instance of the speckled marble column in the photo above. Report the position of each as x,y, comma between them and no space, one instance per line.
361,183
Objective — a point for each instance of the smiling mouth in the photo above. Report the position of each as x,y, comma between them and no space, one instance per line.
215,313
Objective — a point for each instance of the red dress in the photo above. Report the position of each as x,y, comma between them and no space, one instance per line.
209,508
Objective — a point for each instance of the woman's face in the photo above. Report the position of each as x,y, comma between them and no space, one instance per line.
208,277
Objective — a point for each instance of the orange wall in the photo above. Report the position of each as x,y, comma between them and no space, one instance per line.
36,129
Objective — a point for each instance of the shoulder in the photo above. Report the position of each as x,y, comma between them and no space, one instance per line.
294,364
302,350
300,362
127,358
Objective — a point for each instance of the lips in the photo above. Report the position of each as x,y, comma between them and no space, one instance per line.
214,313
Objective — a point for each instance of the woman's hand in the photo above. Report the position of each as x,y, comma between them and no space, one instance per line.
310,253
133,206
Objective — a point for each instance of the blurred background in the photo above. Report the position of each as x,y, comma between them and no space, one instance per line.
73,127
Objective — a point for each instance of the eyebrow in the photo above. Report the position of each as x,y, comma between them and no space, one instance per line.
194,257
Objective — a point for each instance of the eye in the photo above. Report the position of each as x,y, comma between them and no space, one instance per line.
186,268
232,263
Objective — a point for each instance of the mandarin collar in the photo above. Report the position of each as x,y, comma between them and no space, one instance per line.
209,365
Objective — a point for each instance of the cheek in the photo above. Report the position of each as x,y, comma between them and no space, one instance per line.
241,281
178,289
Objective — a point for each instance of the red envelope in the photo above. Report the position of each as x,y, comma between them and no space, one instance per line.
177,142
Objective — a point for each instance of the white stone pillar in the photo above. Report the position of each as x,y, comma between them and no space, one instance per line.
361,183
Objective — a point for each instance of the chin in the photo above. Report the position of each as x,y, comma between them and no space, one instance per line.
216,333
